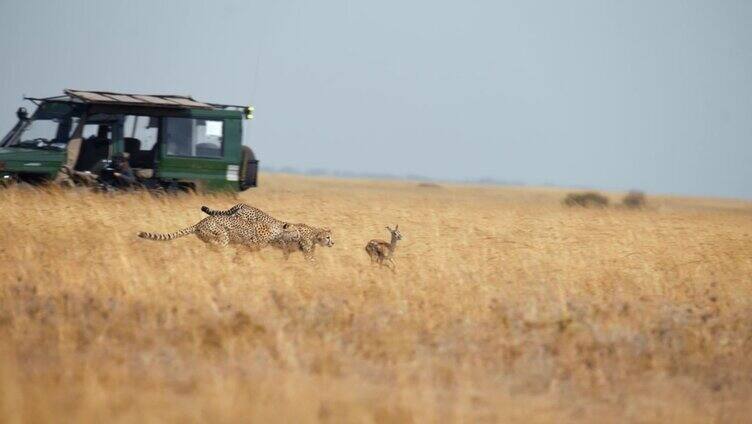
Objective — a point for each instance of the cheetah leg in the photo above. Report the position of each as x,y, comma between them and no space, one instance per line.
307,248
244,250
213,238
224,240
221,239
253,246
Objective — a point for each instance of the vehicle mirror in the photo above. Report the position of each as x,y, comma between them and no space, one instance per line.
22,114
249,112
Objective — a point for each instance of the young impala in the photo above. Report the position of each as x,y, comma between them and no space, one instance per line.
380,251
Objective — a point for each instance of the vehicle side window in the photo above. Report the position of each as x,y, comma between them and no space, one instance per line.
93,130
141,132
193,137
40,129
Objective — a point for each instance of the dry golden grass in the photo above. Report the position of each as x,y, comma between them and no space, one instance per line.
507,306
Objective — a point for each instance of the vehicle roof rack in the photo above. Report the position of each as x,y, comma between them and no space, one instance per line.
148,100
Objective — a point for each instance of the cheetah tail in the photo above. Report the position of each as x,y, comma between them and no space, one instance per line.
213,212
169,236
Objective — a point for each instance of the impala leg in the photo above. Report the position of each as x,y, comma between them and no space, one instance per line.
394,265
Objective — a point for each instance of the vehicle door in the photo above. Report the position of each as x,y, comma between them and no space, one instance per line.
140,139
194,149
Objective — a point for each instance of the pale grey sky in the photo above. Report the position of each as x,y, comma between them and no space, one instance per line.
655,95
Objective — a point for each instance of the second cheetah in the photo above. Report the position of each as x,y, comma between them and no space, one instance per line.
303,238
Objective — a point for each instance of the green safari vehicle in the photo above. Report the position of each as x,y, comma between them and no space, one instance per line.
173,142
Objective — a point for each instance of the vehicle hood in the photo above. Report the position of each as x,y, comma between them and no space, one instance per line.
19,159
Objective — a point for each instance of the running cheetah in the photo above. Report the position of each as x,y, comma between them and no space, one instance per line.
304,238
254,216
224,230
288,237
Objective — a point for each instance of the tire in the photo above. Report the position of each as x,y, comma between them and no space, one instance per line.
248,169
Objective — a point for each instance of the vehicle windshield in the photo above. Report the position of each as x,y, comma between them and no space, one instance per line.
44,133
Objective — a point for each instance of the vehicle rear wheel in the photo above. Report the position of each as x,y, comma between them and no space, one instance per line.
248,168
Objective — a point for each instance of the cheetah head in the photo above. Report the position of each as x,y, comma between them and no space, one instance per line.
324,237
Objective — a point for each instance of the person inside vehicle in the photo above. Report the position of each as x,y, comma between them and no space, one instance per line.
123,173
93,150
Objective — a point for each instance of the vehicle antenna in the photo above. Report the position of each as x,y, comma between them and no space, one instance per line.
262,41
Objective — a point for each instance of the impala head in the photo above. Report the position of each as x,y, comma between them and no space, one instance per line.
395,232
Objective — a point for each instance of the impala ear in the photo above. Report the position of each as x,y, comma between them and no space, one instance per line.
396,228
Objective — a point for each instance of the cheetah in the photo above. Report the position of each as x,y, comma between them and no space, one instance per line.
380,251
225,230
254,215
288,237
304,238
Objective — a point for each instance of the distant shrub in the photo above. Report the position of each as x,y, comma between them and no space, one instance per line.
587,200
634,200
428,185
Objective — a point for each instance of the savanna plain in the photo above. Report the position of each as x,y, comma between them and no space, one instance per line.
505,306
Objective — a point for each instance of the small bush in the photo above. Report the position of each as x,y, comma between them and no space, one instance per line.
587,200
634,200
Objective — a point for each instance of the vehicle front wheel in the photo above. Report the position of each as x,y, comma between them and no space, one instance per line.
8,180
